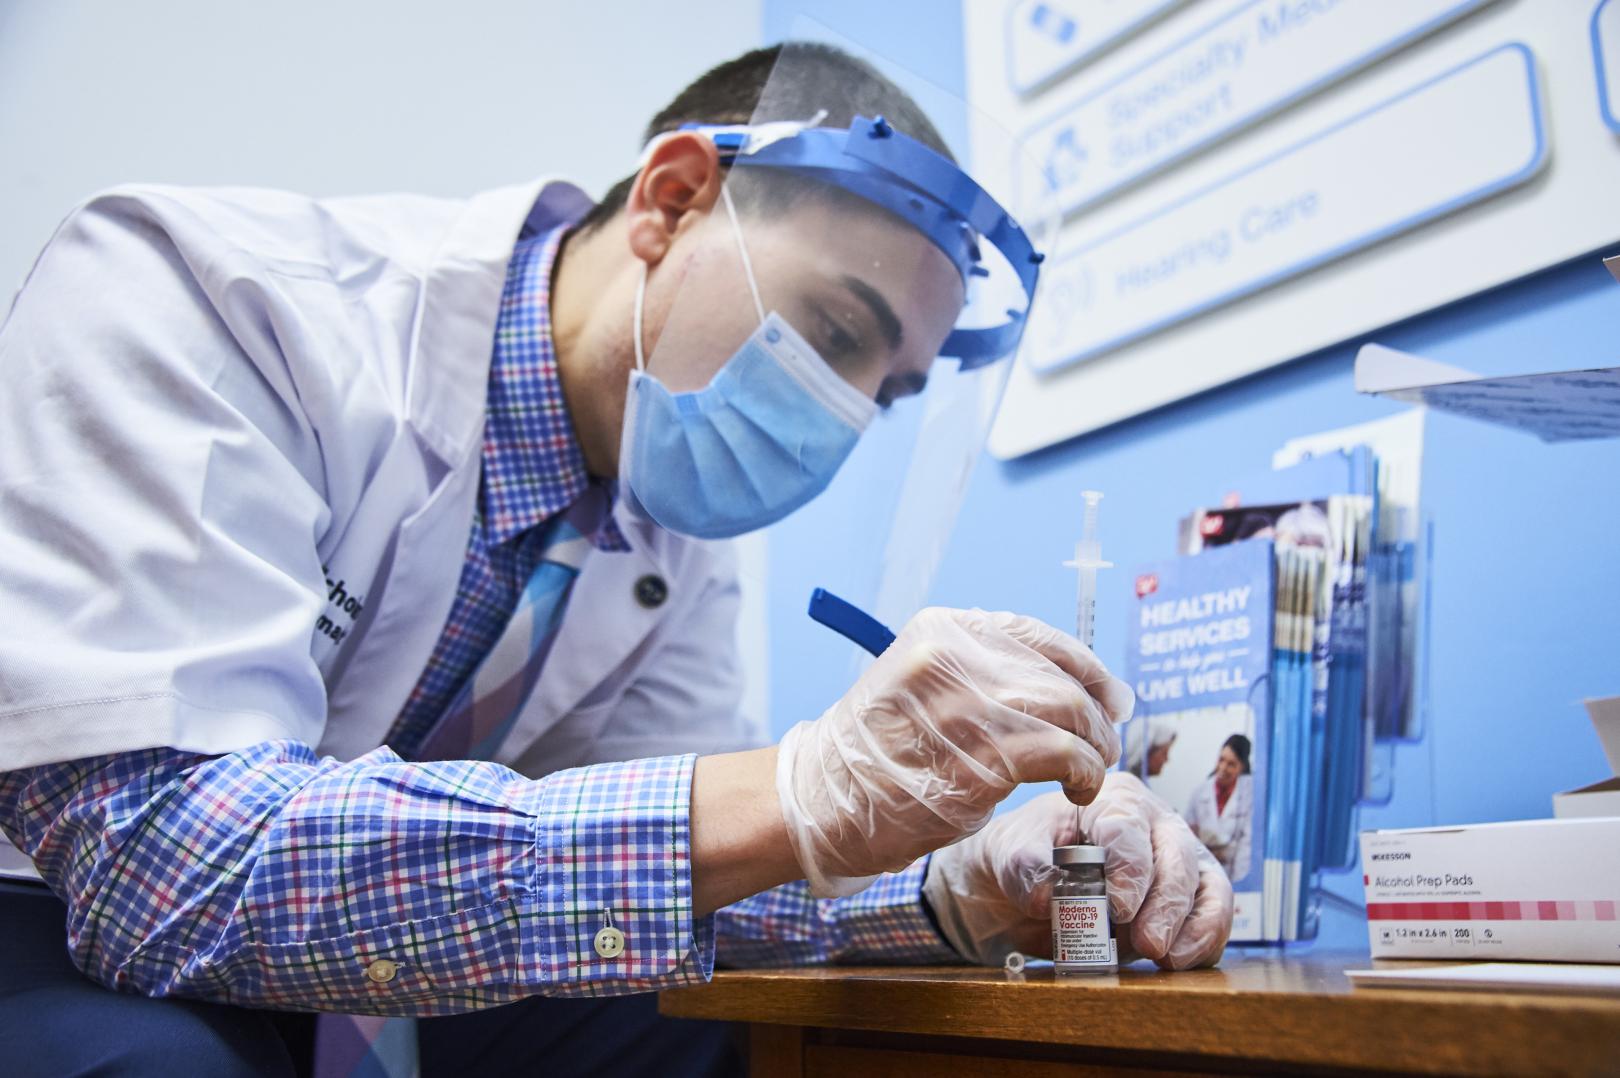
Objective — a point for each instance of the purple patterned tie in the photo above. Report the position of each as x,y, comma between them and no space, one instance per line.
476,723
473,727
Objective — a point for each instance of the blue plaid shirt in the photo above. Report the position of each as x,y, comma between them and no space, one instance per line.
272,878
533,469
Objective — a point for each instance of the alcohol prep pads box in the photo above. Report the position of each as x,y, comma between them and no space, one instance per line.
1543,890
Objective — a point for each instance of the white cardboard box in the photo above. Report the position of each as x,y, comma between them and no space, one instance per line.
1543,890
1600,798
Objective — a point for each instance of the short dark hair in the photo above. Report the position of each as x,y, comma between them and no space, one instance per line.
808,77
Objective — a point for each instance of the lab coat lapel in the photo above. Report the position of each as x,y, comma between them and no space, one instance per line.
445,402
410,611
461,297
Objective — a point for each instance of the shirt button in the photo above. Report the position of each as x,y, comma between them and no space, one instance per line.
382,971
609,943
651,591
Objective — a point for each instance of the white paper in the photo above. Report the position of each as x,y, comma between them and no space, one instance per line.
1556,406
1386,370
1497,976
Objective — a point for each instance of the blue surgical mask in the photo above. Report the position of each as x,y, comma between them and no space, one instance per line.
764,437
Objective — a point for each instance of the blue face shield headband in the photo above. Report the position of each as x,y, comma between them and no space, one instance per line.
888,168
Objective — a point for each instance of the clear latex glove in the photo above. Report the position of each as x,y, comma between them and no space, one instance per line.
1169,899
961,708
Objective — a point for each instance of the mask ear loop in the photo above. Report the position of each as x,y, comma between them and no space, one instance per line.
742,248
635,319
748,271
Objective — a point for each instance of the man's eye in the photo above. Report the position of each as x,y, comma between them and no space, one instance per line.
837,341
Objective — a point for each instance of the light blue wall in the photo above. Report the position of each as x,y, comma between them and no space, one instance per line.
326,99
1525,590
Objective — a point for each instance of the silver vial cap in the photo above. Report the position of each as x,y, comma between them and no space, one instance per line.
1079,855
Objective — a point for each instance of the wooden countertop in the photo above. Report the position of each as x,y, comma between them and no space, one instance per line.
1294,1009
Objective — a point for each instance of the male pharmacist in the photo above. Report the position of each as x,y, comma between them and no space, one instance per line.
369,627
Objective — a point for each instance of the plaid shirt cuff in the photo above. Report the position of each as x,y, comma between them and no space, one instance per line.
615,841
886,923
889,922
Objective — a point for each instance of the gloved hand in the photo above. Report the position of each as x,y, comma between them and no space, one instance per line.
1169,898
963,707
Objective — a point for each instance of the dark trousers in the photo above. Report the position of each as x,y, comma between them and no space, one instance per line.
55,1022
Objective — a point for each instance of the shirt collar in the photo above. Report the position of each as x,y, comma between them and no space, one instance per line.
533,467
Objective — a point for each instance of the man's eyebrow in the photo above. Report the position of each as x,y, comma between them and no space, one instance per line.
887,321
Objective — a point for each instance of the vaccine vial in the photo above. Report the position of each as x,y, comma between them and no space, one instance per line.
1082,935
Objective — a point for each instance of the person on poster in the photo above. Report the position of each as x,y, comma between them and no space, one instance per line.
1160,736
1221,810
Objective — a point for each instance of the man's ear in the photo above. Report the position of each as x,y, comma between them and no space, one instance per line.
679,183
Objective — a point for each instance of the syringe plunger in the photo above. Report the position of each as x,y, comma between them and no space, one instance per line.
1087,560
1088,551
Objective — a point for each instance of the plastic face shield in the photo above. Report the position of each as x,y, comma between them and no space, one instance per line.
910,282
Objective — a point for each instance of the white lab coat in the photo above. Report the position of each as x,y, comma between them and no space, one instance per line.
217,404
1226,833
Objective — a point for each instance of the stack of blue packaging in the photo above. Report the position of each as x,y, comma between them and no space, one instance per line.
1272,673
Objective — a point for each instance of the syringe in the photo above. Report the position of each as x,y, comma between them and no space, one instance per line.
1087,560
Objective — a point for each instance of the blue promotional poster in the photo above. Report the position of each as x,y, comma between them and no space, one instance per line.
1198,653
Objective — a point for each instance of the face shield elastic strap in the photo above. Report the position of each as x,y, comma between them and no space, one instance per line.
877,163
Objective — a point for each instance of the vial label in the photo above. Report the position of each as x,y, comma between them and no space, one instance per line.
1081,933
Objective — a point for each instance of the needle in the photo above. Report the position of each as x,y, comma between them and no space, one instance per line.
1087,560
